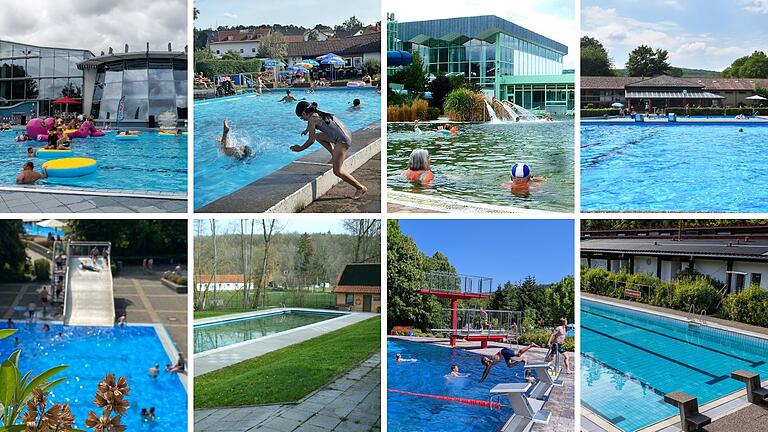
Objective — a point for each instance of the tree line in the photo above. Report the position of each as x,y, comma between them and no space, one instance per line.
644,61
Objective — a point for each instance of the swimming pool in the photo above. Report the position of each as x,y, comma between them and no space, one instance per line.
41,231
680,168
471,166
149,164
91,353
630,359
227,332
407,413
269,128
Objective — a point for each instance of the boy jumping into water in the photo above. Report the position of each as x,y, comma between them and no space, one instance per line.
511,358
238,152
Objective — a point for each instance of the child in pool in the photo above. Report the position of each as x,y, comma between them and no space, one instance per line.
30,152
520,178
399,359
238,152
455,373
355,105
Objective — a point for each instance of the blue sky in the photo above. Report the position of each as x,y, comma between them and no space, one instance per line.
554,19
501,249
707,35
308,13
314,225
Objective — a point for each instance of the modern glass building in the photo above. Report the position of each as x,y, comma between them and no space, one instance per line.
506,60
40,75
151,82
32,78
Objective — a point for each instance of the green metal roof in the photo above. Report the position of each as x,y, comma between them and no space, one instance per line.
537,79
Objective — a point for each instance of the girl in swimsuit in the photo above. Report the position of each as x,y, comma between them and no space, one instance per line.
333,135
419,167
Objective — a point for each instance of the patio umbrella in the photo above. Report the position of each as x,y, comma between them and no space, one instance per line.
305,65
333,60
51,223
756,98
67,101
298,68
617,105
310,61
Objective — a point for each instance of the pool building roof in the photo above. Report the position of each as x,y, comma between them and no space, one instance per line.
365,43
663,81
360,278
461,29
715,248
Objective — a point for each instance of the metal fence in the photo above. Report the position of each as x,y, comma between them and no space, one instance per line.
477,322
437,281
236,300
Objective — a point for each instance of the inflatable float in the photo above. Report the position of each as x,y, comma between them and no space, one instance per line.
127,137
37,129
44,153
70,167
356,84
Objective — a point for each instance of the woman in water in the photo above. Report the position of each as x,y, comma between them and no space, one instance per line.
238,152
333,135
419,169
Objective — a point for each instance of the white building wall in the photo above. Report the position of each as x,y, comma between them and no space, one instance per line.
645,264
249,48
752,267
222,286
713,268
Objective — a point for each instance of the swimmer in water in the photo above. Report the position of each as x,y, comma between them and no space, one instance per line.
399,359
419,167
30,152
509,356
238,152
520,179
455,373
355,105
289,97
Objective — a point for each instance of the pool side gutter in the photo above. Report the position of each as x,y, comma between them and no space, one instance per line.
298,184
219,358
715,409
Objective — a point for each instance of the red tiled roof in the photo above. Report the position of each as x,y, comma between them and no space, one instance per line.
357,289
220,278
346,46
242,35
294,38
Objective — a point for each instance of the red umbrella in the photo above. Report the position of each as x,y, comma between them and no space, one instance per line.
67,101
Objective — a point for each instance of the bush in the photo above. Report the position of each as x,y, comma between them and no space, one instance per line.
212,68
12,275
465,105
748,306
404,112
177,279
42,270
540,337
696,291
711,111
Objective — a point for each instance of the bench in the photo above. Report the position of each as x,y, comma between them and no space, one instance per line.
755,392
526,411
690,418
401,329
631,293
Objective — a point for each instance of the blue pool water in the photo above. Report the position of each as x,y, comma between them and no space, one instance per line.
407,413
630,359
269,128
228,332
151,163
91,353
681,168
41,231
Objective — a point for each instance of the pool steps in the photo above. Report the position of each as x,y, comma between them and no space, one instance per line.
526,411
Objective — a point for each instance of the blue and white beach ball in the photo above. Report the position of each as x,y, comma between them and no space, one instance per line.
520,170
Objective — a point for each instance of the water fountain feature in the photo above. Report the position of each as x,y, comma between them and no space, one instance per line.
492,113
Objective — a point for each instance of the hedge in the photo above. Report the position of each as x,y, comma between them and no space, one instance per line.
540,337
600,112
213,68
42,270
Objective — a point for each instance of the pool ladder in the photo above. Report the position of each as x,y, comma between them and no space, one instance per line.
696,320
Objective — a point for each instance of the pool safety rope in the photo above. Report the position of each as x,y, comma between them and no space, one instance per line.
475,402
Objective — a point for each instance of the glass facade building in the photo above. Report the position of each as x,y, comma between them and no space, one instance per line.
31,73
151,85
507,61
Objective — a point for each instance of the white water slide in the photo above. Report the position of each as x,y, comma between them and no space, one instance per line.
90,299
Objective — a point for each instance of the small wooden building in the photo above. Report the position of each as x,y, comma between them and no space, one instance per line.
359,288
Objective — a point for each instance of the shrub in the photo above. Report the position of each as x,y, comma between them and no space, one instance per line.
540,337
177,279
696,291
42,270
212,68
433,113
11,275
405,112
465,105
710,111
748,306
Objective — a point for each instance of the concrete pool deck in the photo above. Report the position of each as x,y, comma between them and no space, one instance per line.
561,402
350,403
730,413
20,199
680,120
296,185
219,358
408,202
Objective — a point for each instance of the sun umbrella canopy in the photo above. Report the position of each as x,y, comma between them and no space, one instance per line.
310,61
51,223
336,61
67,101
273,63
298,69
756,97
617,105
305,65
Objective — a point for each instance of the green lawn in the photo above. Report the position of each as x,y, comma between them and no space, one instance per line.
233,299
291,373
214,313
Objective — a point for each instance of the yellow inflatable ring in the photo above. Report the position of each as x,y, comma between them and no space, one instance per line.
69,131
127,137
44,153
70,167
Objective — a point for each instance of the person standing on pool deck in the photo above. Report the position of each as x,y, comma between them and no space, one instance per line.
28,175
511,358
333,135
556,341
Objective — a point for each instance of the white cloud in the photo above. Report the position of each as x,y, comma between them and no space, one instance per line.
673,4
96,25
229,15
757,6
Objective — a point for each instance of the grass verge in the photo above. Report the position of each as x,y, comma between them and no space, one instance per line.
289,374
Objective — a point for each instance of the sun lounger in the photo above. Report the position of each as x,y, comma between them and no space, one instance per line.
755,392
526,411
690,418
545,382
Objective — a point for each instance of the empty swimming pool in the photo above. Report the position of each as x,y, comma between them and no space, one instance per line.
227,332
630,359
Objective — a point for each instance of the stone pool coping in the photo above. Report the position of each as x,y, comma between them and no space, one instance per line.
443,205
33,201
219,358
296,185
90,192
717,409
